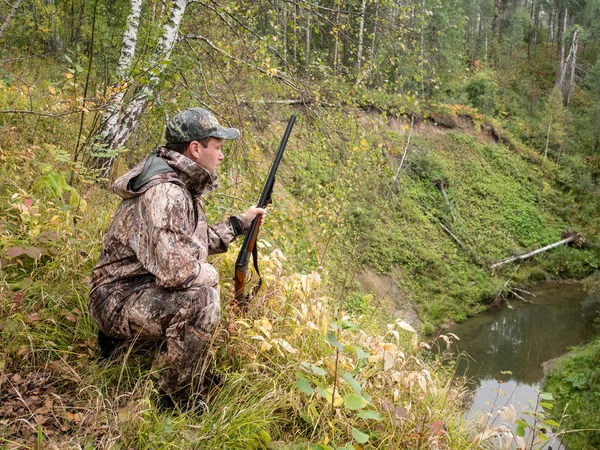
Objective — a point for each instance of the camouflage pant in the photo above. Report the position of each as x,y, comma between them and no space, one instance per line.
187,320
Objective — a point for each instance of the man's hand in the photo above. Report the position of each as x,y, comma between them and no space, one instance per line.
252,212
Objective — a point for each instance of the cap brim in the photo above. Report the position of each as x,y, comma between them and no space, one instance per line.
226,133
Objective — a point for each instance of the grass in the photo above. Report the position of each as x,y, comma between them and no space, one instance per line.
315,362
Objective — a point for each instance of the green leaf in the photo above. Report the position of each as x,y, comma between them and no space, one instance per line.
354,402
552,423
360,437
318,370
369,415
325,393
348,378
546,396
304,386
346,325
357,350
546,405
520,428
69,60
332,339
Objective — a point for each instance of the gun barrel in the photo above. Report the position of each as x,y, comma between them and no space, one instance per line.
248,247
271,178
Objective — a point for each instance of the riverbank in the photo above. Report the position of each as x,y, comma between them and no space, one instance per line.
574,381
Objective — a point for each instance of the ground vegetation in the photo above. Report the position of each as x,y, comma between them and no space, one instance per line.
433,140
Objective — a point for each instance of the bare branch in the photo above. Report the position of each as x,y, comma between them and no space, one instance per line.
37,113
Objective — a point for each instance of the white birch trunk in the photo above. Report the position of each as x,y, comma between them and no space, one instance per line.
110,119
528,255
374,43
131,113
572,61
361,32
9,18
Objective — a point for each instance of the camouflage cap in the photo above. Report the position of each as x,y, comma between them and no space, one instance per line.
195,124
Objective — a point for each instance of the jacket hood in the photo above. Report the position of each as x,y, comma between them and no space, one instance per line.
164,166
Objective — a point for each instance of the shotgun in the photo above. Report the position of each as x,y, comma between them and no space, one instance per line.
249,247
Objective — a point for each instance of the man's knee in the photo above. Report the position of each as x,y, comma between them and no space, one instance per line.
204,307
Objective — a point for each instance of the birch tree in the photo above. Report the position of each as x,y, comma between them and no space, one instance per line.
361,32
117,130
110,119
9,17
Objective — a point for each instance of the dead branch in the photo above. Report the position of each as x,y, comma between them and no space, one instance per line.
451,235
412,123
278,102
571,238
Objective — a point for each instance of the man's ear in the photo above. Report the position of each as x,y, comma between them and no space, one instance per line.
195,148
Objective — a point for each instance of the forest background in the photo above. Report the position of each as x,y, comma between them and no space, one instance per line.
434,139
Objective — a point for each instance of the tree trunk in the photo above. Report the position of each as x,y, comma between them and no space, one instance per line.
308,37
374,43
111,118
295,34
548,247
116,136
560,72
597,130
499,6
11,14
361,31
284,33
336,37
571,62
547,138
422,61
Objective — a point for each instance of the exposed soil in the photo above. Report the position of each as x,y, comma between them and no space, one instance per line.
385,289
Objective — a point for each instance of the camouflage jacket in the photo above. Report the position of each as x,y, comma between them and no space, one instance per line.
159,235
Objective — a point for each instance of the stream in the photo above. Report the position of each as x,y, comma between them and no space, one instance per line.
512,343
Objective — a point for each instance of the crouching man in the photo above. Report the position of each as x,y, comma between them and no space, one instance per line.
152,280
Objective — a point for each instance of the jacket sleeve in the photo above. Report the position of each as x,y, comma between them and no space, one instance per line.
222,234
170,251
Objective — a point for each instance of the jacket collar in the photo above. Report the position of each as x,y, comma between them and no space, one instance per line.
195,178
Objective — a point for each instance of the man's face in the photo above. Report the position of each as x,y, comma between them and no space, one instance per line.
208,157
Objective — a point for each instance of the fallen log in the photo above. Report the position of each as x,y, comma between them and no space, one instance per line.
572,237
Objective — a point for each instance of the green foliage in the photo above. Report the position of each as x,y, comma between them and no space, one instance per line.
575,383
482,92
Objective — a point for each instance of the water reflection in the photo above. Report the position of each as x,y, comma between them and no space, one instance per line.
507,346
520,339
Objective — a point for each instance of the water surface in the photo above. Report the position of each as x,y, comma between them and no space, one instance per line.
508,345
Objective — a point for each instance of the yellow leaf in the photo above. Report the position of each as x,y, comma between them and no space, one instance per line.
266,324
389,348
265,346
52,90
69,75
338,400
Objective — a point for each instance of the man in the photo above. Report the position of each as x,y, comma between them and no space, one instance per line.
153,280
